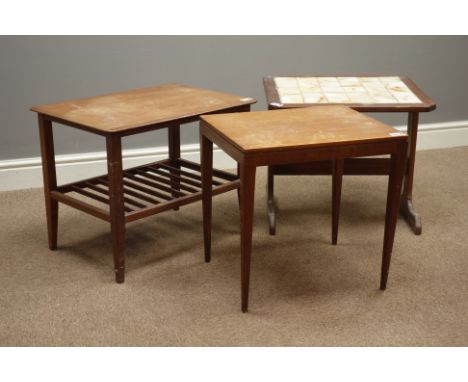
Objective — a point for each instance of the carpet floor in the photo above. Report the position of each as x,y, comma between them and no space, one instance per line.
304,291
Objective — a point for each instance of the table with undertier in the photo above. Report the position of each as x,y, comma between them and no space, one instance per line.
123,196
369,93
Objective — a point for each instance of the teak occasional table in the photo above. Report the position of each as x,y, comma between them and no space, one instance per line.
393,94
123,196
320,133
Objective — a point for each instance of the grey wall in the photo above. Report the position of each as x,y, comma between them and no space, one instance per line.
35,70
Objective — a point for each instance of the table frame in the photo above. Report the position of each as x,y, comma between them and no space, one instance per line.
178,176
249,161
354,166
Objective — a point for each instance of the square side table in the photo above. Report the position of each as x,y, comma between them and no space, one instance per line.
123,196
320,133
364,93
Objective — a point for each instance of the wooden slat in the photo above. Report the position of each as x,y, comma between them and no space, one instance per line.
218,173
94,196
154,183
133,184
167,180
174,176
151,184
186,173
82,206
106,192
136,194
181,201
228,186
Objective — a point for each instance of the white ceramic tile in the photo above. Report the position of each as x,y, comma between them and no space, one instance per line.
314,98
407,98
370,79
307,81
285,82
332,89
337,97
361,98
384,99
389,80
311,89
355,89
397,86
328,80
388,89
374,86
291,99
349,81
289,91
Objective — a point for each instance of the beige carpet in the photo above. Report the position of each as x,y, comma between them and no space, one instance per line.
304,291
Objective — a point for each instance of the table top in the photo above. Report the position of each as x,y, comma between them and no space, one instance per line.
299,128
132,109
363,93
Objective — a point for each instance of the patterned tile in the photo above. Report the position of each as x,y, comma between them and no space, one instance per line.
386,90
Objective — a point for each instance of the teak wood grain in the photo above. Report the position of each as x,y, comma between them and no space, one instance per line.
270,147
119,112
299,128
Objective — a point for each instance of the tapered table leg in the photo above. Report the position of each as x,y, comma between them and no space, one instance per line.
337,180
207,192
174,155
406,207
395,180
238,188
49,177
247,191
271,207
116,201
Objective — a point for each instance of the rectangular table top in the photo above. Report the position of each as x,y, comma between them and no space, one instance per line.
132,109
363,93
299,128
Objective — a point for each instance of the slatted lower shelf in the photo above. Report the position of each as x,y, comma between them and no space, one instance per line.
148,189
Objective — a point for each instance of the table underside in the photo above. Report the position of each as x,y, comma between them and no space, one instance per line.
148,189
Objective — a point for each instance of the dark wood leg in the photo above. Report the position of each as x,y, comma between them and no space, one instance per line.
395,180
238,188
116,201
174,154
337,180
207,190
247,187
406,207
271,207
49,177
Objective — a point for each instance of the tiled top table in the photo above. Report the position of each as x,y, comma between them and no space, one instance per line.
369,93
322,133
123,196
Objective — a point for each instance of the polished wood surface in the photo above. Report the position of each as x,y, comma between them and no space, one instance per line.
425,104
299,128
132,109
231,134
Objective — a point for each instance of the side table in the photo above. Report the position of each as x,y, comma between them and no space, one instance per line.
123,196
320,133
370,93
